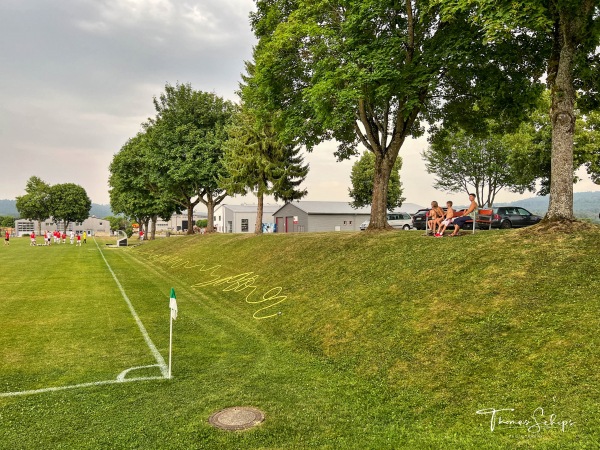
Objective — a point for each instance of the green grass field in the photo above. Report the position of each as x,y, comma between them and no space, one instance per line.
344,340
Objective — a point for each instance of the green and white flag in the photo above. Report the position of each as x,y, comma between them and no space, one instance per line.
173,304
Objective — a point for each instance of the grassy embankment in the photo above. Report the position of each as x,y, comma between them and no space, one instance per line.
387,340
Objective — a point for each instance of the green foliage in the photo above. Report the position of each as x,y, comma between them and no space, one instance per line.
7,221
36,203
117,222
185,146
368,73
531,147
202,223
361,177
69,202
131,190
256,160
463,162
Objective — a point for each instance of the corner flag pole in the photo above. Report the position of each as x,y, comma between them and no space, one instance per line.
173,307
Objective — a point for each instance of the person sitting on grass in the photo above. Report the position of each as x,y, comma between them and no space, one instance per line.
436,215
447,221
460,221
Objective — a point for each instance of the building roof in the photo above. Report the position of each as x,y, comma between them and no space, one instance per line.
328,208
267,208
314,207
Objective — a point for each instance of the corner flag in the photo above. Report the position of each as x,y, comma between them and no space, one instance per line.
173,304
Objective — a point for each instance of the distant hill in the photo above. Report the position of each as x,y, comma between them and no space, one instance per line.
8,208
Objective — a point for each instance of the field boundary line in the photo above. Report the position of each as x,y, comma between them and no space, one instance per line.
159,359
77,386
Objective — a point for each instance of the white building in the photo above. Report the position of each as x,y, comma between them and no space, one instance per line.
242,218
92,225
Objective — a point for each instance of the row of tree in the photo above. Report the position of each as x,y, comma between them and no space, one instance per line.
200,148
66,203
373,73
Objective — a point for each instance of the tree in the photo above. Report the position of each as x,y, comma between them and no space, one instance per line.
117,222
69,202
131,190
185,143
362,183
35,204
569,31
469,163
368,72
531,147
255,160
7,221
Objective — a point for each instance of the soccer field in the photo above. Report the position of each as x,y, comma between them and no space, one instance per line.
67,322
335,337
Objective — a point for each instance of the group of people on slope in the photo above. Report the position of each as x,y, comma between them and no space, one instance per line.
438,221
59,237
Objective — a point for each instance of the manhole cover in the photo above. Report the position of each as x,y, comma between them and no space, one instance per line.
237,418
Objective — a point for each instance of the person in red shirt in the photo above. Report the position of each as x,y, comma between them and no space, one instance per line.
141,235
78,239
7,238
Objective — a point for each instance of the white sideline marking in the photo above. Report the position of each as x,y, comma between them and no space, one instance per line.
153,349
121,377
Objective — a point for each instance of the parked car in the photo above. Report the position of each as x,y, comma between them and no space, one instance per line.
419,219
513,217
399,220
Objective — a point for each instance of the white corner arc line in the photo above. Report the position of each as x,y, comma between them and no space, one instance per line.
159,359
77,386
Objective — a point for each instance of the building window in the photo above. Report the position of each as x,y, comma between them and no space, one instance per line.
350,222
245,225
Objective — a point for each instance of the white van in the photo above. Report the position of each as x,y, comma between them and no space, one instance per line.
400,220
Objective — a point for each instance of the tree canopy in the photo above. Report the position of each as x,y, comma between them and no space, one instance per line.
131,190
368,73
185,147
69,202
567,33
35,204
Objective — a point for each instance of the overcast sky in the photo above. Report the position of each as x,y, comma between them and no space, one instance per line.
78,78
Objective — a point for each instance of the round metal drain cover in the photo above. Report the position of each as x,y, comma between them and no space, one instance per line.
237,418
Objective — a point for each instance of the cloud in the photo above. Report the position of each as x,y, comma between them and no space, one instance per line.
79,77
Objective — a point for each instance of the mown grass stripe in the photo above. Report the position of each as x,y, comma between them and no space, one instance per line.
159,359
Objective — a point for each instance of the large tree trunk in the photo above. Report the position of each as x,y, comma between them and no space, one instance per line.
210,211
153,228
259,213
190,218
383,169
562,115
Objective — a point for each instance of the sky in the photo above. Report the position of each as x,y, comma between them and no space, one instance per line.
78,77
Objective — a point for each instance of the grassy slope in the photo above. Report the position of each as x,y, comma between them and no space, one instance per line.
385,341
